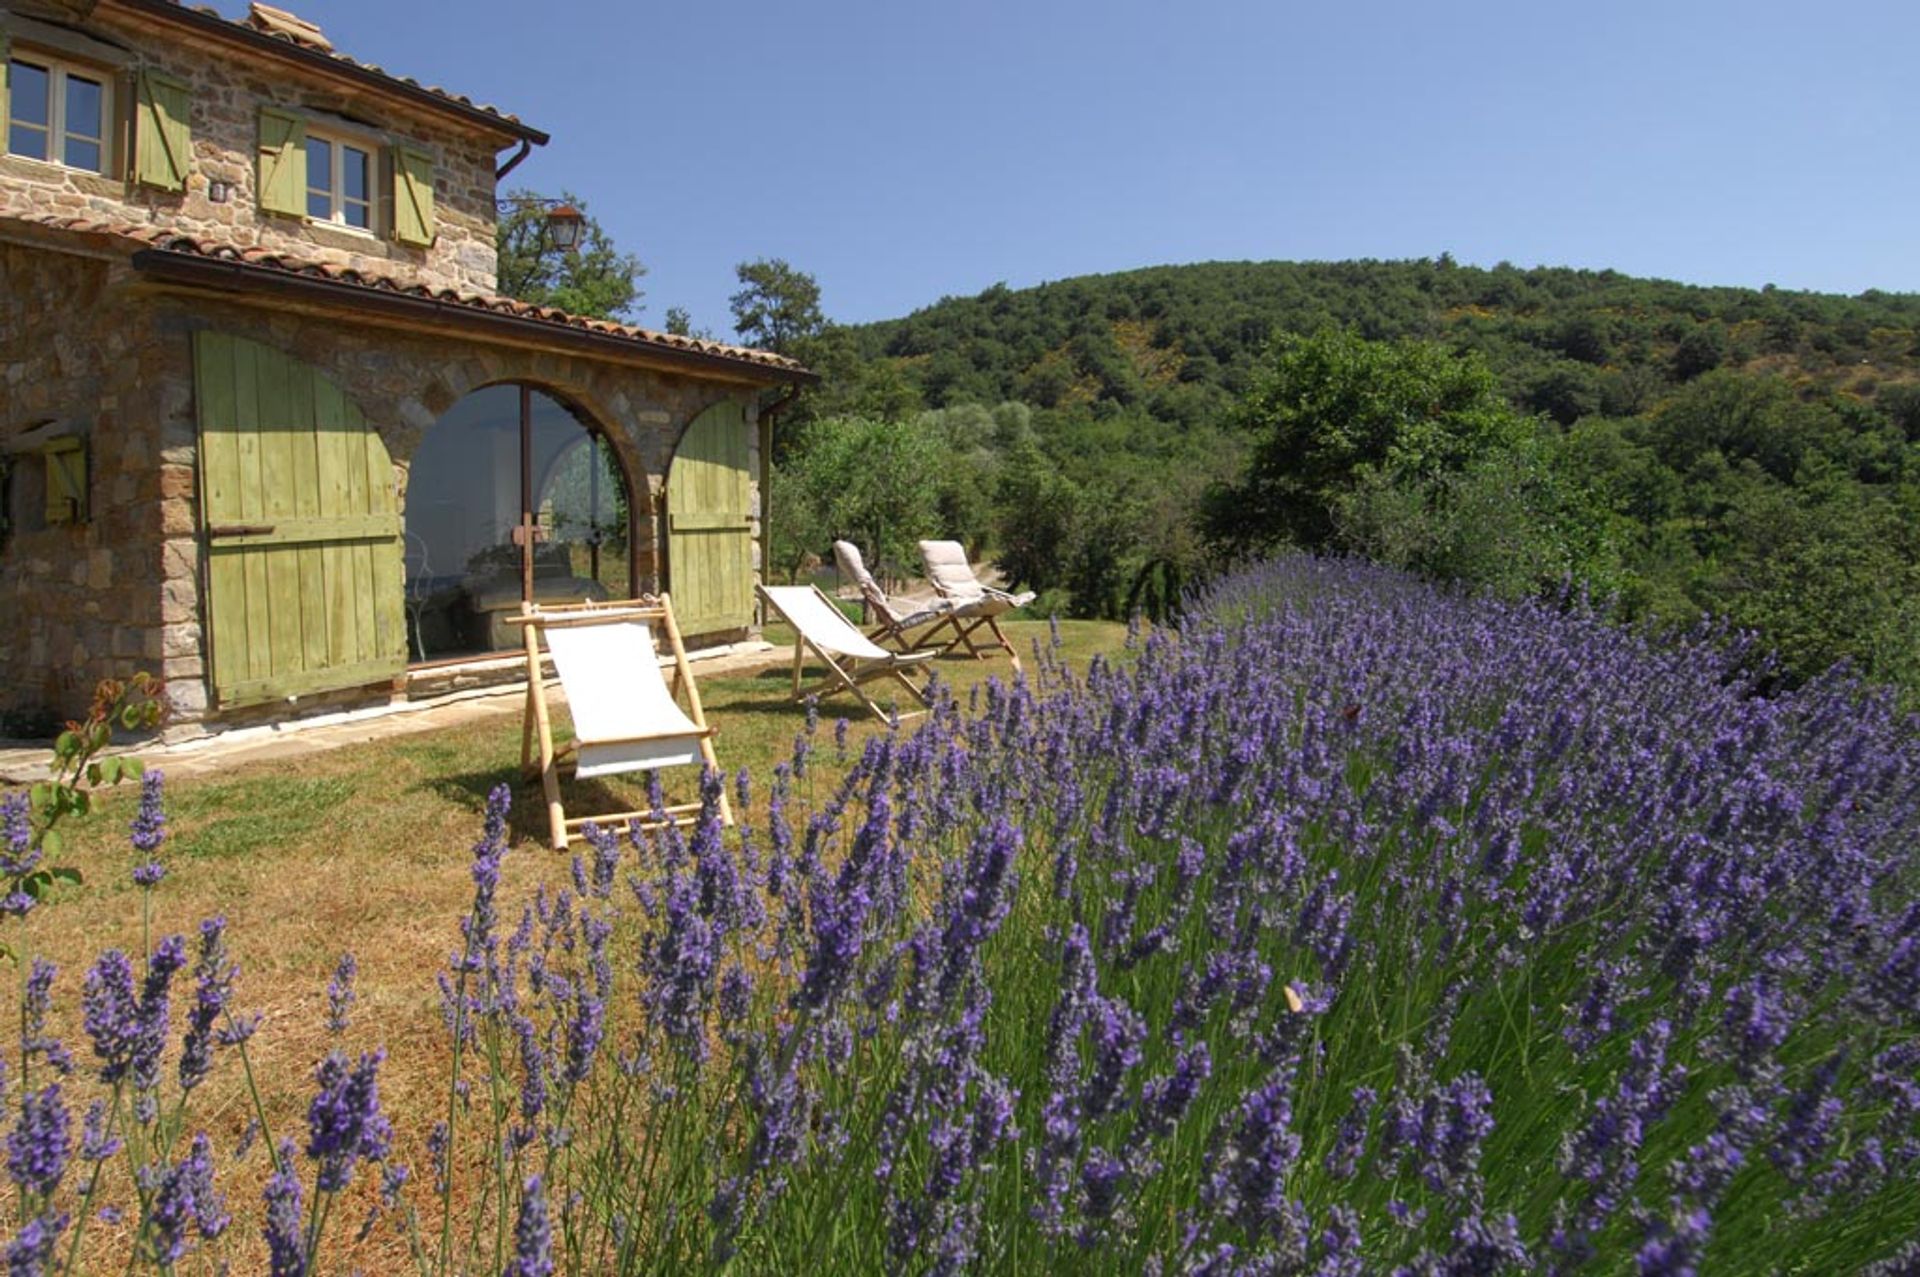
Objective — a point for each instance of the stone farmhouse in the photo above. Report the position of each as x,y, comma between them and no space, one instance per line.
266,426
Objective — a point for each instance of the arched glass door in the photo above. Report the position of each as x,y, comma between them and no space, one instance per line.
510,497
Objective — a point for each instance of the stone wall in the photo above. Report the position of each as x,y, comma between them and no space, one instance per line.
84,601
86,344
227,91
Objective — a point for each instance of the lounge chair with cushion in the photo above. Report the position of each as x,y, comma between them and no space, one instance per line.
954,580
820,626
625,718
892,615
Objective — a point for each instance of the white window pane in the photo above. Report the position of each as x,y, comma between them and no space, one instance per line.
319,165
81,153
27,140
354,168
31,98
85,109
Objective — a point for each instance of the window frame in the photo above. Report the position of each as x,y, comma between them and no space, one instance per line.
57,70
338,142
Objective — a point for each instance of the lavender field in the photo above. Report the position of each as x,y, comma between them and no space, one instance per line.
1355,927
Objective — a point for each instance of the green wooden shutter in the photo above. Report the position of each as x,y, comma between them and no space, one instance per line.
66,460
709,524
302,524
412,196
163,145
283,163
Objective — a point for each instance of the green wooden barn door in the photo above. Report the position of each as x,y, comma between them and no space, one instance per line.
302,529
709,524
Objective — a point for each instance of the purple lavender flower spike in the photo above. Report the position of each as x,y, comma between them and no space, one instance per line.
37,1001
213,992
532,1235
30,1253
40,1142
340,994
149,830
344,1121
18,855
286,1240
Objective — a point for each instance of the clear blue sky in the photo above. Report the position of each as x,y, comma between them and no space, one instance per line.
904,150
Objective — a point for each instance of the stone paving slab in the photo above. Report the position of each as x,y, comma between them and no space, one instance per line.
23,763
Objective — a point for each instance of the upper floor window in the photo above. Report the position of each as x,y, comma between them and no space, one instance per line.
58,112
341,178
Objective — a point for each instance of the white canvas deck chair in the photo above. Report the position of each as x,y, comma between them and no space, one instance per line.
625,719
977,605
820,626
891,616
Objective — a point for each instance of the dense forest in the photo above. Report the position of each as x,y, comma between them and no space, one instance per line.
1676,450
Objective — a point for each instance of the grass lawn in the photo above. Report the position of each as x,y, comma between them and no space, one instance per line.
366,849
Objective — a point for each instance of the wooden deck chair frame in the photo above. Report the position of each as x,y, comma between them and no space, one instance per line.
537,723
963,631
893,625
854,673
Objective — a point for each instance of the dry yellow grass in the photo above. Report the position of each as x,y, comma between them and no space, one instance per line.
364,849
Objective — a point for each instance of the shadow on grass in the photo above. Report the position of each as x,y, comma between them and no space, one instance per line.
527,818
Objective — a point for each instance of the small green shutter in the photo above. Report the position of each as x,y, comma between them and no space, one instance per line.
66,480
283,163
412,196
163,145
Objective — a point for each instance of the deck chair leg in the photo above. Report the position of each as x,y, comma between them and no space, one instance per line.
543,724
847,681
909,684
1012,655
683,677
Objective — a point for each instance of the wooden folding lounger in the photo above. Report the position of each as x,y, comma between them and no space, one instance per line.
820,626
975,605
625,718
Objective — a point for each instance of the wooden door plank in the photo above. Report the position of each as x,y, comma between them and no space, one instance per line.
258,659
273,379
334,446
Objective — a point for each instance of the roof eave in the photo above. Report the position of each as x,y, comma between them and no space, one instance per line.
213,27
228,275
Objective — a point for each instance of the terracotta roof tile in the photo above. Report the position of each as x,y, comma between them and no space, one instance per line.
145,235
266,24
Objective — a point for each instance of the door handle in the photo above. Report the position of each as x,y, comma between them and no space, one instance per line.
239,529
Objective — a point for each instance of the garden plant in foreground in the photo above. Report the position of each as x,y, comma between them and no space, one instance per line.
1356,927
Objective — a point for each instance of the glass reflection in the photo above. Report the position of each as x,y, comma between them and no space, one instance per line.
464,569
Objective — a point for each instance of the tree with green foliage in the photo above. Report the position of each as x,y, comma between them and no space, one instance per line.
597,280
873,482
1327,410
777,306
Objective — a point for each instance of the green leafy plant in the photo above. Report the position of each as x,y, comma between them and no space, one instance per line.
78,770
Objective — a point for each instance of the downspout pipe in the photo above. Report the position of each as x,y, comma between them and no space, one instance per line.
767,414
513,161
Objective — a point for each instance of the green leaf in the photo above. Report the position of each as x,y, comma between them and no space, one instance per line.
94,772
51,843
82,802
65,745
40,797
132,768
111,768
67,873
35,884
130,717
